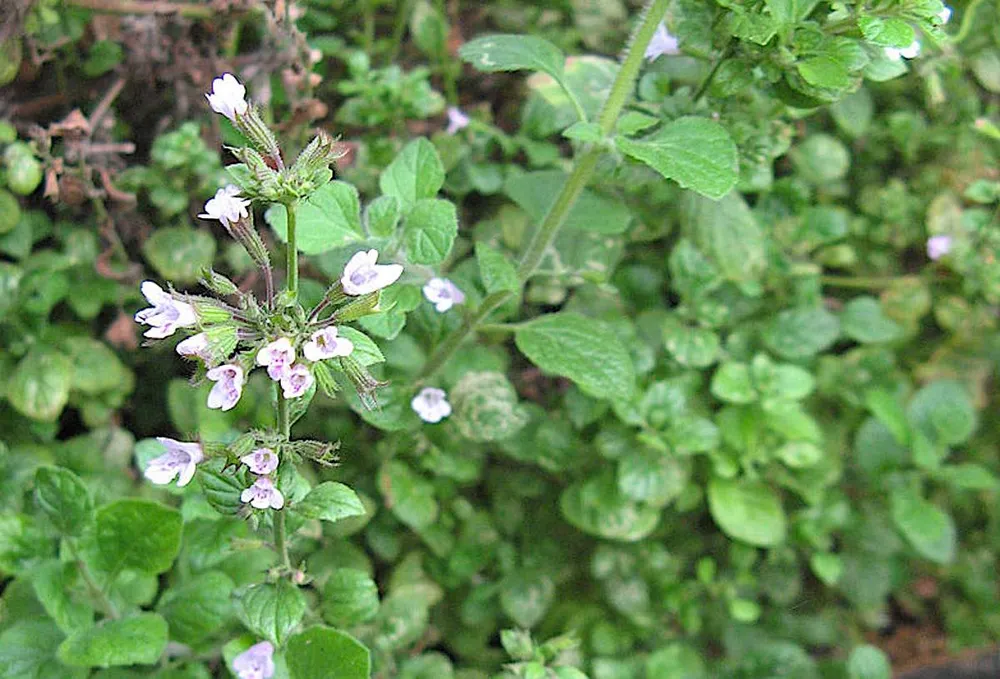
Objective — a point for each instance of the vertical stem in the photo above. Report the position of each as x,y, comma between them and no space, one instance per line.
285,427
583,169
292,270
96,592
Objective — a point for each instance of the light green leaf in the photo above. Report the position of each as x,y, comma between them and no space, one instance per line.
799,454
748,511
64,498
863,320
692,347
40,384
96,367
366,352
28,651
526,597
726,232
649,476
430,230
138,640
802,333
179,253
486,407
325,653
350,597
969,476
824,71
409,495
330,218
492,53
53,582
891,32
582,349
732,383
943,412
496,269
271,610
138,534
868,662
596,506
827,567
382,215
330,501
930,530
197,608
697,153
416,173
535,192
676,661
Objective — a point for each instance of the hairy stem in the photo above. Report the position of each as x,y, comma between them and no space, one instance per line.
292,271
285,427
583,169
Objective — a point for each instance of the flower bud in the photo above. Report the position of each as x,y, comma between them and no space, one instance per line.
320,154
366,305
260,136
364,382
242,445
210,312
246,235
325,380
218,283
264,182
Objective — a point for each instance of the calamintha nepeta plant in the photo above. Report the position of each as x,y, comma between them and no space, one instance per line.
234,333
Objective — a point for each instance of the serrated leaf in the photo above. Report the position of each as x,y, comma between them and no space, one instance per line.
350,597
313,653
197,608
496,270
416,173
330,501
430,230
138,534
138,640
271,610
64,498
330,218
697,153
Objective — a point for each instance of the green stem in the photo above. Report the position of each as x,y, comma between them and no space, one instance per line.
863,282
96,592
703,87
966,27
292,270
280,536
190,10
583,169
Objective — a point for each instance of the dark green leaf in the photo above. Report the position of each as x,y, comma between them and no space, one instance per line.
138,534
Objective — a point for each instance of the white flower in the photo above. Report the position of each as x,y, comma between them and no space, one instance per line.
457,120
226,206
325,344
945,14
255,662
431,405
195,346
296,381
180,460
909,52
228,386
938,246
261,461
262,494
166,314
443,294
362,275
278,356
662,43
227,96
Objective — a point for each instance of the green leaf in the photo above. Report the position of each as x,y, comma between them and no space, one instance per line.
799,454
96,368
868,662
582,349
138,534
416,173
929,529
890,32
39,387
179,253
28,649
692,347
350,597
222,489
197,608
486,407
430,230
726,232
366,352
325,653
64,498
802,333
496,269
429,30
597,506
697,153
943,412
525,598
271,610
10,211
53,582
649,476
535,192
969,476
330,218
827,567
493,53
824,71
103,56
138,640
408,495
732,383
676,661
330,501
382,215
748,511
586,132
863,320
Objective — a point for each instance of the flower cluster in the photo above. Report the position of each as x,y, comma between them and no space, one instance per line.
256,662
263,494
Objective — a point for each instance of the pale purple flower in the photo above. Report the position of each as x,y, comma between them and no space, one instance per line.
362,275
262,494
180,460
195,346
256,662
944,15
228,386
297,381
911,51
228,96
938,246
662,43
261,461
166,315
431,405
457,120
443,294
278,356
226,206
325,344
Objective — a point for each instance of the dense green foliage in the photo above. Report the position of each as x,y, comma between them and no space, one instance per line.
721,385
